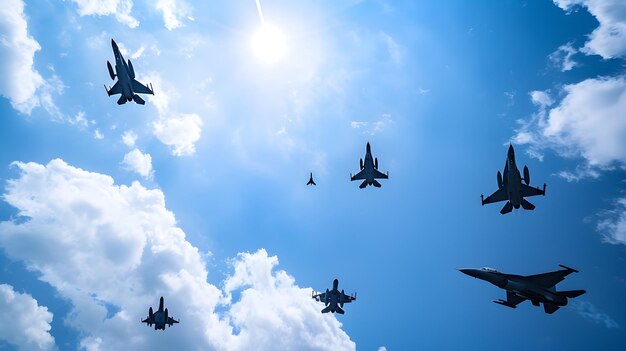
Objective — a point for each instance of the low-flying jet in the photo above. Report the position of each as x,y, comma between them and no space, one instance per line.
511,189
538,288
333,299
126,84
311,182
369,170
159,318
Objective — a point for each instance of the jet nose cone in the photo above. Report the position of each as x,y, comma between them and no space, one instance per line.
113,44
468,271
369,148
511,149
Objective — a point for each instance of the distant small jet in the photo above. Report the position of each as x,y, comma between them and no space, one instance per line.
511,189
159,318
311,182
369,170
333,299
126,84
538,288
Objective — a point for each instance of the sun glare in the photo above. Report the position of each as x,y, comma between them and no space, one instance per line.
269,44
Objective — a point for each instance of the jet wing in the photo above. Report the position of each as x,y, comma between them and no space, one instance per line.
550,279
380,175
148,320
171,321
140,88
360,175
116,89
348,299
497,196
319,297
512,300
530,191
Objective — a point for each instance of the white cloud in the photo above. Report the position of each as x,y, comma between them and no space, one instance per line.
541,98
588,122
562,57
139,163
173,12
609,39
97,134
20,81
129,138
100,244
375,127
613,225
591,313
393,48
25,324
119,8
180,133
382,348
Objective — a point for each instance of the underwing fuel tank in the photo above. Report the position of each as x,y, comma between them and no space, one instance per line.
111,74
499,180
526,175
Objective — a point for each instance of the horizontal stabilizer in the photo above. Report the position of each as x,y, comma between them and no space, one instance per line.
138,100
507,208
339,310
568,268
550,307
363,185
571,293
527,205
326,310
121,100
376,183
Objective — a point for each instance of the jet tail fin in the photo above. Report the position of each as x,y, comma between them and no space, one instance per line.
363,185
550,307
527,205
508,207
138,100
571,293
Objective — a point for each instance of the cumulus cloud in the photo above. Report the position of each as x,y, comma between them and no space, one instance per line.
103,246
562,57
25,324
588,122
119,8
138,162
180,133
609,39
129,138
613,224
591,313
20,81
173,12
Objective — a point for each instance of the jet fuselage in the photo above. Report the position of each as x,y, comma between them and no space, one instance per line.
123,73
512,180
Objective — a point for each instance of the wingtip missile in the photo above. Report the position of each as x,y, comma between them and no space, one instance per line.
568,268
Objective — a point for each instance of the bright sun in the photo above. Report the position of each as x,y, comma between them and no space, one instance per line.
269,44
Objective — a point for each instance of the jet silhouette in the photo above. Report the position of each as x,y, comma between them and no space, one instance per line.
538,288
369,170
511,189
159,318
311,182
333,299
126,84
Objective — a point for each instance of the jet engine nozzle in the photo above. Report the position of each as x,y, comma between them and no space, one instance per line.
499,180
361,164
526,175
111,73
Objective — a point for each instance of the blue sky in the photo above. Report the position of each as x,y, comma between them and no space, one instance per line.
199,195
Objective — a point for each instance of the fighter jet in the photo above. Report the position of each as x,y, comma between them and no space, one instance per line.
126,84
159,318
369,170
311,182
511,189
538,288
333,299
